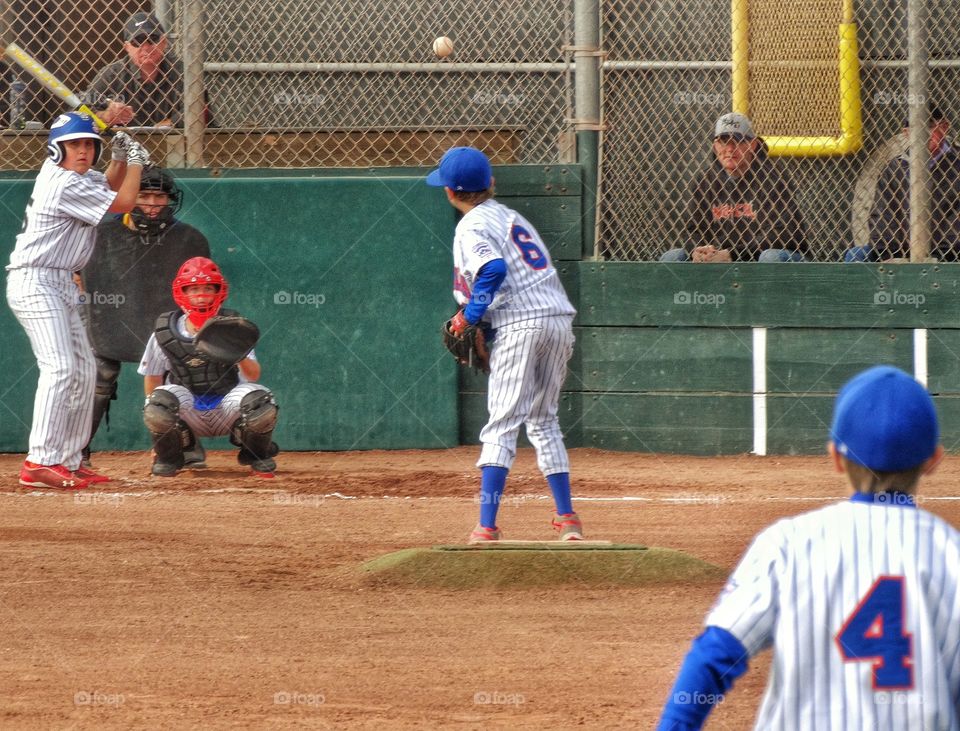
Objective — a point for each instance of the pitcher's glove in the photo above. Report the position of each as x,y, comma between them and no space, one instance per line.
226,339
466,342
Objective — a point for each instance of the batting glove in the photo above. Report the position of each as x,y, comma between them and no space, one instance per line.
119,146
137,154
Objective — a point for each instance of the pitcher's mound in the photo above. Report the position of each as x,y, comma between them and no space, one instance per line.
536,563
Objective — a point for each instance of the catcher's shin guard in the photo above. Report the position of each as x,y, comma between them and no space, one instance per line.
253,431
161,415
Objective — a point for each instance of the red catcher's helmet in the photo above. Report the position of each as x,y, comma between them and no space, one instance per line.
199,270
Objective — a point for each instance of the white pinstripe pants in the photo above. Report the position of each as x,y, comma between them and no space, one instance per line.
528,364
218,421
45,302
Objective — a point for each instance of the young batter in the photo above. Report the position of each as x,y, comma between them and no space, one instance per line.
190,397
504,279
859,600
58,236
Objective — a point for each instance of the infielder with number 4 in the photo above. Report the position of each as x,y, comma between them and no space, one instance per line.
860,600
57,239
505,282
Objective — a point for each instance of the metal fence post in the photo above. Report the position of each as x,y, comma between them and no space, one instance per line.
193,95
586,34
918,87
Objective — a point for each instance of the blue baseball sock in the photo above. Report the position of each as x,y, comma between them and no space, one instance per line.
560,487
492,481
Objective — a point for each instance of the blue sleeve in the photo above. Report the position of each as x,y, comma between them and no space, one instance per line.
488,281
715,660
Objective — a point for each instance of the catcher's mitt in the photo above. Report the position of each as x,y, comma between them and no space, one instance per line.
226,339
469,347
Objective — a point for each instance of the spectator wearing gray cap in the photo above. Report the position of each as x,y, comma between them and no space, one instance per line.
144,89
890,214
742,208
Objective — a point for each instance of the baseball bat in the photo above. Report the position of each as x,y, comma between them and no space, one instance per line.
51,83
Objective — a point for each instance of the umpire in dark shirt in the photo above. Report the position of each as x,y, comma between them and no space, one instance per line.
890,214
144,89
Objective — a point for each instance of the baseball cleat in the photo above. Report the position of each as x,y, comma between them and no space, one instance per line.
58,476
163,469
263,475
85,473
195,459
483,535
569,525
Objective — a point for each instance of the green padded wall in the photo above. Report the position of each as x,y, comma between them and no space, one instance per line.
666,350
357,364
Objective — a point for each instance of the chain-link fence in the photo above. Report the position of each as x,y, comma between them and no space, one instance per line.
671,72
304,84
320,84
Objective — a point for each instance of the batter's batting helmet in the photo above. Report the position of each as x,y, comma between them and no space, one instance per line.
72,126
199,270
156,179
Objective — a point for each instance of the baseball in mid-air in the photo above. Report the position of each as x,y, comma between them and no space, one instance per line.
443,47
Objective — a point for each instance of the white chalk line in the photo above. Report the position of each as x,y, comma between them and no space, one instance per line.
285,497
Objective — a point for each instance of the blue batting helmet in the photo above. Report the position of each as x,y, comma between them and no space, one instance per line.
72,126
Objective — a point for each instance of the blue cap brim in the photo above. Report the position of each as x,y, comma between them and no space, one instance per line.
435,180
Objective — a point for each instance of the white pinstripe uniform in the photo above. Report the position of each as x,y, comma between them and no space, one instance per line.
57,239
534,339
882,576
215,422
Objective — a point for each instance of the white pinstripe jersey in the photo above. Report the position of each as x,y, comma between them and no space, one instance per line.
531,288
60,222
860,602
155,362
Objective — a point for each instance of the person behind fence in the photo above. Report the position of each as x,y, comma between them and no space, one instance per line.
146,87
890,213
742,208
144,246
858,599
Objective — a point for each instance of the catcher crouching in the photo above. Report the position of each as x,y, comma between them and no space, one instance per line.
200,376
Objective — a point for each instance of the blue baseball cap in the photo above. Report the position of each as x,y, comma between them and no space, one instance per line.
463,169
885,420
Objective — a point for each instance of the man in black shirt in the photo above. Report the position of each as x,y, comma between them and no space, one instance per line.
134,252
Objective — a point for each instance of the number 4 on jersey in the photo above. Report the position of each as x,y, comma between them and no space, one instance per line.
875,631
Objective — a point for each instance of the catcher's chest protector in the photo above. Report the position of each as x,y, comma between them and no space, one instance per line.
187,367
127,284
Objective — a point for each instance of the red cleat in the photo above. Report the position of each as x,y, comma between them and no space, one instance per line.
58,476
85,473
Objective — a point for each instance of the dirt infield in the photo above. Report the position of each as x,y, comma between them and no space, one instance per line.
213,599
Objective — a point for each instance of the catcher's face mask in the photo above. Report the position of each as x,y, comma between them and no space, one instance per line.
199,270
